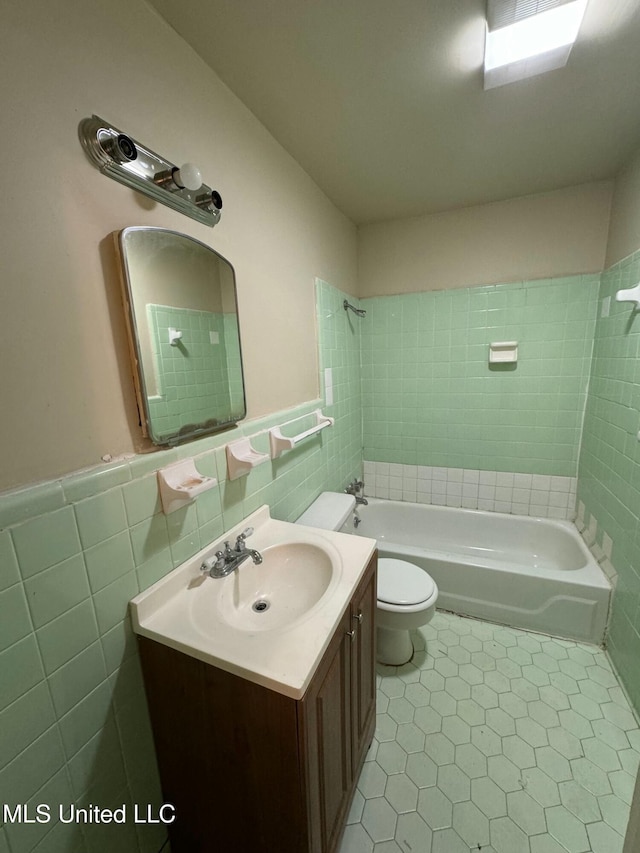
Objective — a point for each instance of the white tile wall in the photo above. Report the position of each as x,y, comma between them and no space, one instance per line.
538,495
602,552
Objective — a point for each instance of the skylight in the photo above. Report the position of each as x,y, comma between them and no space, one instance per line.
536,44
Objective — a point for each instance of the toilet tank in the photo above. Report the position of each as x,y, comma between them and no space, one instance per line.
329,511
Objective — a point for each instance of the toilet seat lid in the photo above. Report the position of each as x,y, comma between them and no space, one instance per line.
400,582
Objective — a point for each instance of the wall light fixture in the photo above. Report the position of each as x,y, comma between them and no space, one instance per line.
125,160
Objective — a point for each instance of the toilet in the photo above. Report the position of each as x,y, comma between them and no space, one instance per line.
407,598
407,595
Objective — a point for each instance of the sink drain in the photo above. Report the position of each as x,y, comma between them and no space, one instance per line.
260,605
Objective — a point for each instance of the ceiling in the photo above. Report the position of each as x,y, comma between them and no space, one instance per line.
382,103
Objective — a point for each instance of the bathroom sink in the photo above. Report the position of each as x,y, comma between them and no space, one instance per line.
291,580
269,623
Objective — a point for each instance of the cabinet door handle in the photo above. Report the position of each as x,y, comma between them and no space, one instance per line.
358,616
351,634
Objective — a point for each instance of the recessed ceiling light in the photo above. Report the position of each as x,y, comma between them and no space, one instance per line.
533,45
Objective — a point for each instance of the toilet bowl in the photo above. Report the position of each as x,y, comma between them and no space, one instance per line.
407,595
407,598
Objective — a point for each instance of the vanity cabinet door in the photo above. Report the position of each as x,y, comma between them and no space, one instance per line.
338,717
363,703
228,755
326,742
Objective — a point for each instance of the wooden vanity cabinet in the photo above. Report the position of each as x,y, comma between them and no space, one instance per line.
338,717
250,770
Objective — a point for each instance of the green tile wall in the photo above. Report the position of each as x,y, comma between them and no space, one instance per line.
609,473
74,726
194,377
234,361
430,398
339,344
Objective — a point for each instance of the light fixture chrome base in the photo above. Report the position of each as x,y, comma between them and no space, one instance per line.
127,161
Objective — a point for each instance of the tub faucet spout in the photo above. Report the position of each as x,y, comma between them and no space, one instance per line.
354,488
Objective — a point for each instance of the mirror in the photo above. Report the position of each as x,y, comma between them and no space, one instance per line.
181,308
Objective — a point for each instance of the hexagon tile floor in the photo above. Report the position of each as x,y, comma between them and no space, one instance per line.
498,740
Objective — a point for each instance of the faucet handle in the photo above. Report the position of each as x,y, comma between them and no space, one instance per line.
240,546
213,562
245,534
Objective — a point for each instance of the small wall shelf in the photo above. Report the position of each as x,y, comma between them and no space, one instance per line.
180,484
630,295
241,458
280,442
503,352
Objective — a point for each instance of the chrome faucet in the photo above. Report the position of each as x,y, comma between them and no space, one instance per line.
227,561
353,488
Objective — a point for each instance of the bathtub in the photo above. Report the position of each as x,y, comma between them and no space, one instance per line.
532,573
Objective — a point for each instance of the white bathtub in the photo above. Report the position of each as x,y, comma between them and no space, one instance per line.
531,573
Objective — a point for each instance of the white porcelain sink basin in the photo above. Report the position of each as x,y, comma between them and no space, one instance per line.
307,578
284,588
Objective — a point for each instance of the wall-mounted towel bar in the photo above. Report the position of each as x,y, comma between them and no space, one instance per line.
280,442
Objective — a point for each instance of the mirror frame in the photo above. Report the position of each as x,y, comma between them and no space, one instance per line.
135,350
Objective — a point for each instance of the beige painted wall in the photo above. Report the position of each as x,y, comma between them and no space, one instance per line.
552,234
624,229
67,396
